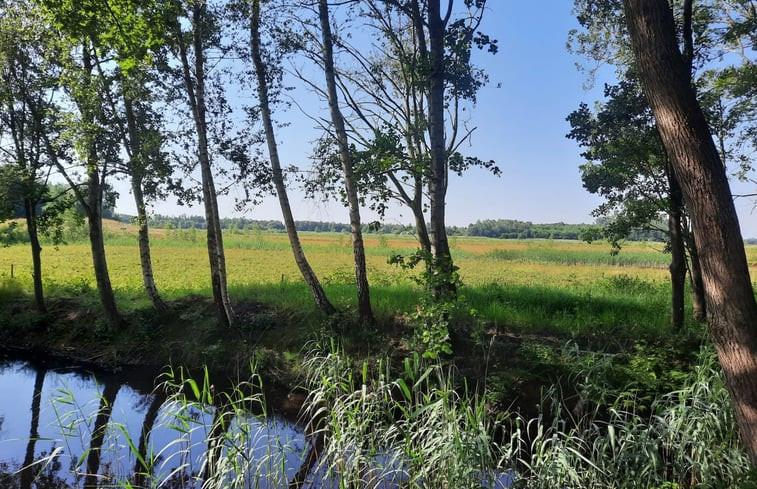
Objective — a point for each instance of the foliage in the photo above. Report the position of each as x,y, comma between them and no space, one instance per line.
436,308
688,438
625,161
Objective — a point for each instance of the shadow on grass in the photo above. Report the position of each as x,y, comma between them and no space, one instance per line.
541,308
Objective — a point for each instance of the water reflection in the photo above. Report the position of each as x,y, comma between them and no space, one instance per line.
86,430
66,428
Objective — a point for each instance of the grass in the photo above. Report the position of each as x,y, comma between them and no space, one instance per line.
429,423
562,287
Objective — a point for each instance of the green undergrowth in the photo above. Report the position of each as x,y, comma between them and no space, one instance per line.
419,423
620,305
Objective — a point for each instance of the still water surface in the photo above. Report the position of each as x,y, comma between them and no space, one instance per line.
47,411
50,416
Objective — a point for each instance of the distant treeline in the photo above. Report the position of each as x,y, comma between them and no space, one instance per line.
490,228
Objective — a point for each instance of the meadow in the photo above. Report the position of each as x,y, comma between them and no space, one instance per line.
551,286
573,377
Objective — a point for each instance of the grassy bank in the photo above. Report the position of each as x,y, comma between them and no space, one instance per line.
557,343
549,285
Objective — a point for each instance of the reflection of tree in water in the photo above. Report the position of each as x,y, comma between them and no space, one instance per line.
28,470
181,479
46,478
144,466
107,400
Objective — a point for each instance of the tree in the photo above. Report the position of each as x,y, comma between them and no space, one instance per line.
27,87
628,166
263,77
191,47
130,96
731,306
147,167
89,128
384,97
340,134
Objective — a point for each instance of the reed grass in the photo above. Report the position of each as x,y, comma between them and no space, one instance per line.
413,425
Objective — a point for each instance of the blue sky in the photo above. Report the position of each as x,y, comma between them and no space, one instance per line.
520,120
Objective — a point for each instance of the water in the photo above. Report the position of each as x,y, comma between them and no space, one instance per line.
53,415
71,428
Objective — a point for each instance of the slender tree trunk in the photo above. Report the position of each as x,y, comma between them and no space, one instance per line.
195,88
28,471
99,430
31,228
361,276
678,254
415,203
731,307
137,172
697,284
145,257
439,165
97,245
421,228
93,209
216,441
321,301
695,276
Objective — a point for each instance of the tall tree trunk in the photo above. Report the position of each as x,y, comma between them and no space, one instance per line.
439,166
361,276
321,301
731,306
30,209
28,471
97,245
677,252
137,178
93,209
145,257
195,88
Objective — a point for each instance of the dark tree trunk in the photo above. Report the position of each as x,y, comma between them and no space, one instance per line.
442,259
321,301
731,307
99,430
28,471
221,422
421,228
415,203
695,276
30,209
315,448
361,275
678,254
97,245
93,209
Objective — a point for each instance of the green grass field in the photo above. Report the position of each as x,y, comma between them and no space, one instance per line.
564,325
531,285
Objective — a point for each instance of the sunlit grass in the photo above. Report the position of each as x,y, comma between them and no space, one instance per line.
562,286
